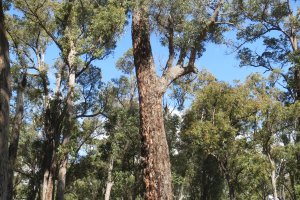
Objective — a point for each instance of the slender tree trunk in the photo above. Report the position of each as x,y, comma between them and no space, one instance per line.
61,185
13,147
33,188
4,107
49,160
231,192
273,177
110,182
292,182
181,194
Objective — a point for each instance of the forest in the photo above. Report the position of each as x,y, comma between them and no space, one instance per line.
162,127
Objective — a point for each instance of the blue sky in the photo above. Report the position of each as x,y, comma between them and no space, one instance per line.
216,59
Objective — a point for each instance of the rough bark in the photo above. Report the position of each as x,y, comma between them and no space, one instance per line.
4,107
155,151
47,193
18,120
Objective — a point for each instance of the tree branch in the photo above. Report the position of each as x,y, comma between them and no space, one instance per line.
173,73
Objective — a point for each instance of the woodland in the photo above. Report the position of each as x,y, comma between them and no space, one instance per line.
167,130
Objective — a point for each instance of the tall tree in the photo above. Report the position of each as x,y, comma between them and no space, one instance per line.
170,18
275,23
4,106
83,31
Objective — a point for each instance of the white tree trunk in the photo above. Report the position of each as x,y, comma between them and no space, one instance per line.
109,183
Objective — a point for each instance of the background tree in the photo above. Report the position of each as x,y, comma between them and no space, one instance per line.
275,24
81,38
4,106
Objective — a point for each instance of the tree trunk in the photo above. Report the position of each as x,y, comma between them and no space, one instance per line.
4,107
47,193
155,151
294,43
273,177
181,194
109,183
61,185
13,147
151,87
33,188
231,193
50,131
48,168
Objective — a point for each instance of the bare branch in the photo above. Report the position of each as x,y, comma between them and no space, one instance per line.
100,112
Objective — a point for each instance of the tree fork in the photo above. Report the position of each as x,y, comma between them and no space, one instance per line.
155,152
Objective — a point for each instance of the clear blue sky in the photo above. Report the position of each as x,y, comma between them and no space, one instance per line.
216,59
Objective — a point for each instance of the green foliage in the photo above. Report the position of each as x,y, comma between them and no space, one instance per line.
239,127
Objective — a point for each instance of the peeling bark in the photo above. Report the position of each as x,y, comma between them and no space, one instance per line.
155,151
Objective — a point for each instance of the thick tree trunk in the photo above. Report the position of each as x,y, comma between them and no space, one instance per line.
48,166
13,147
48,169
155,151
47,193
50,130
4,107
61,185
